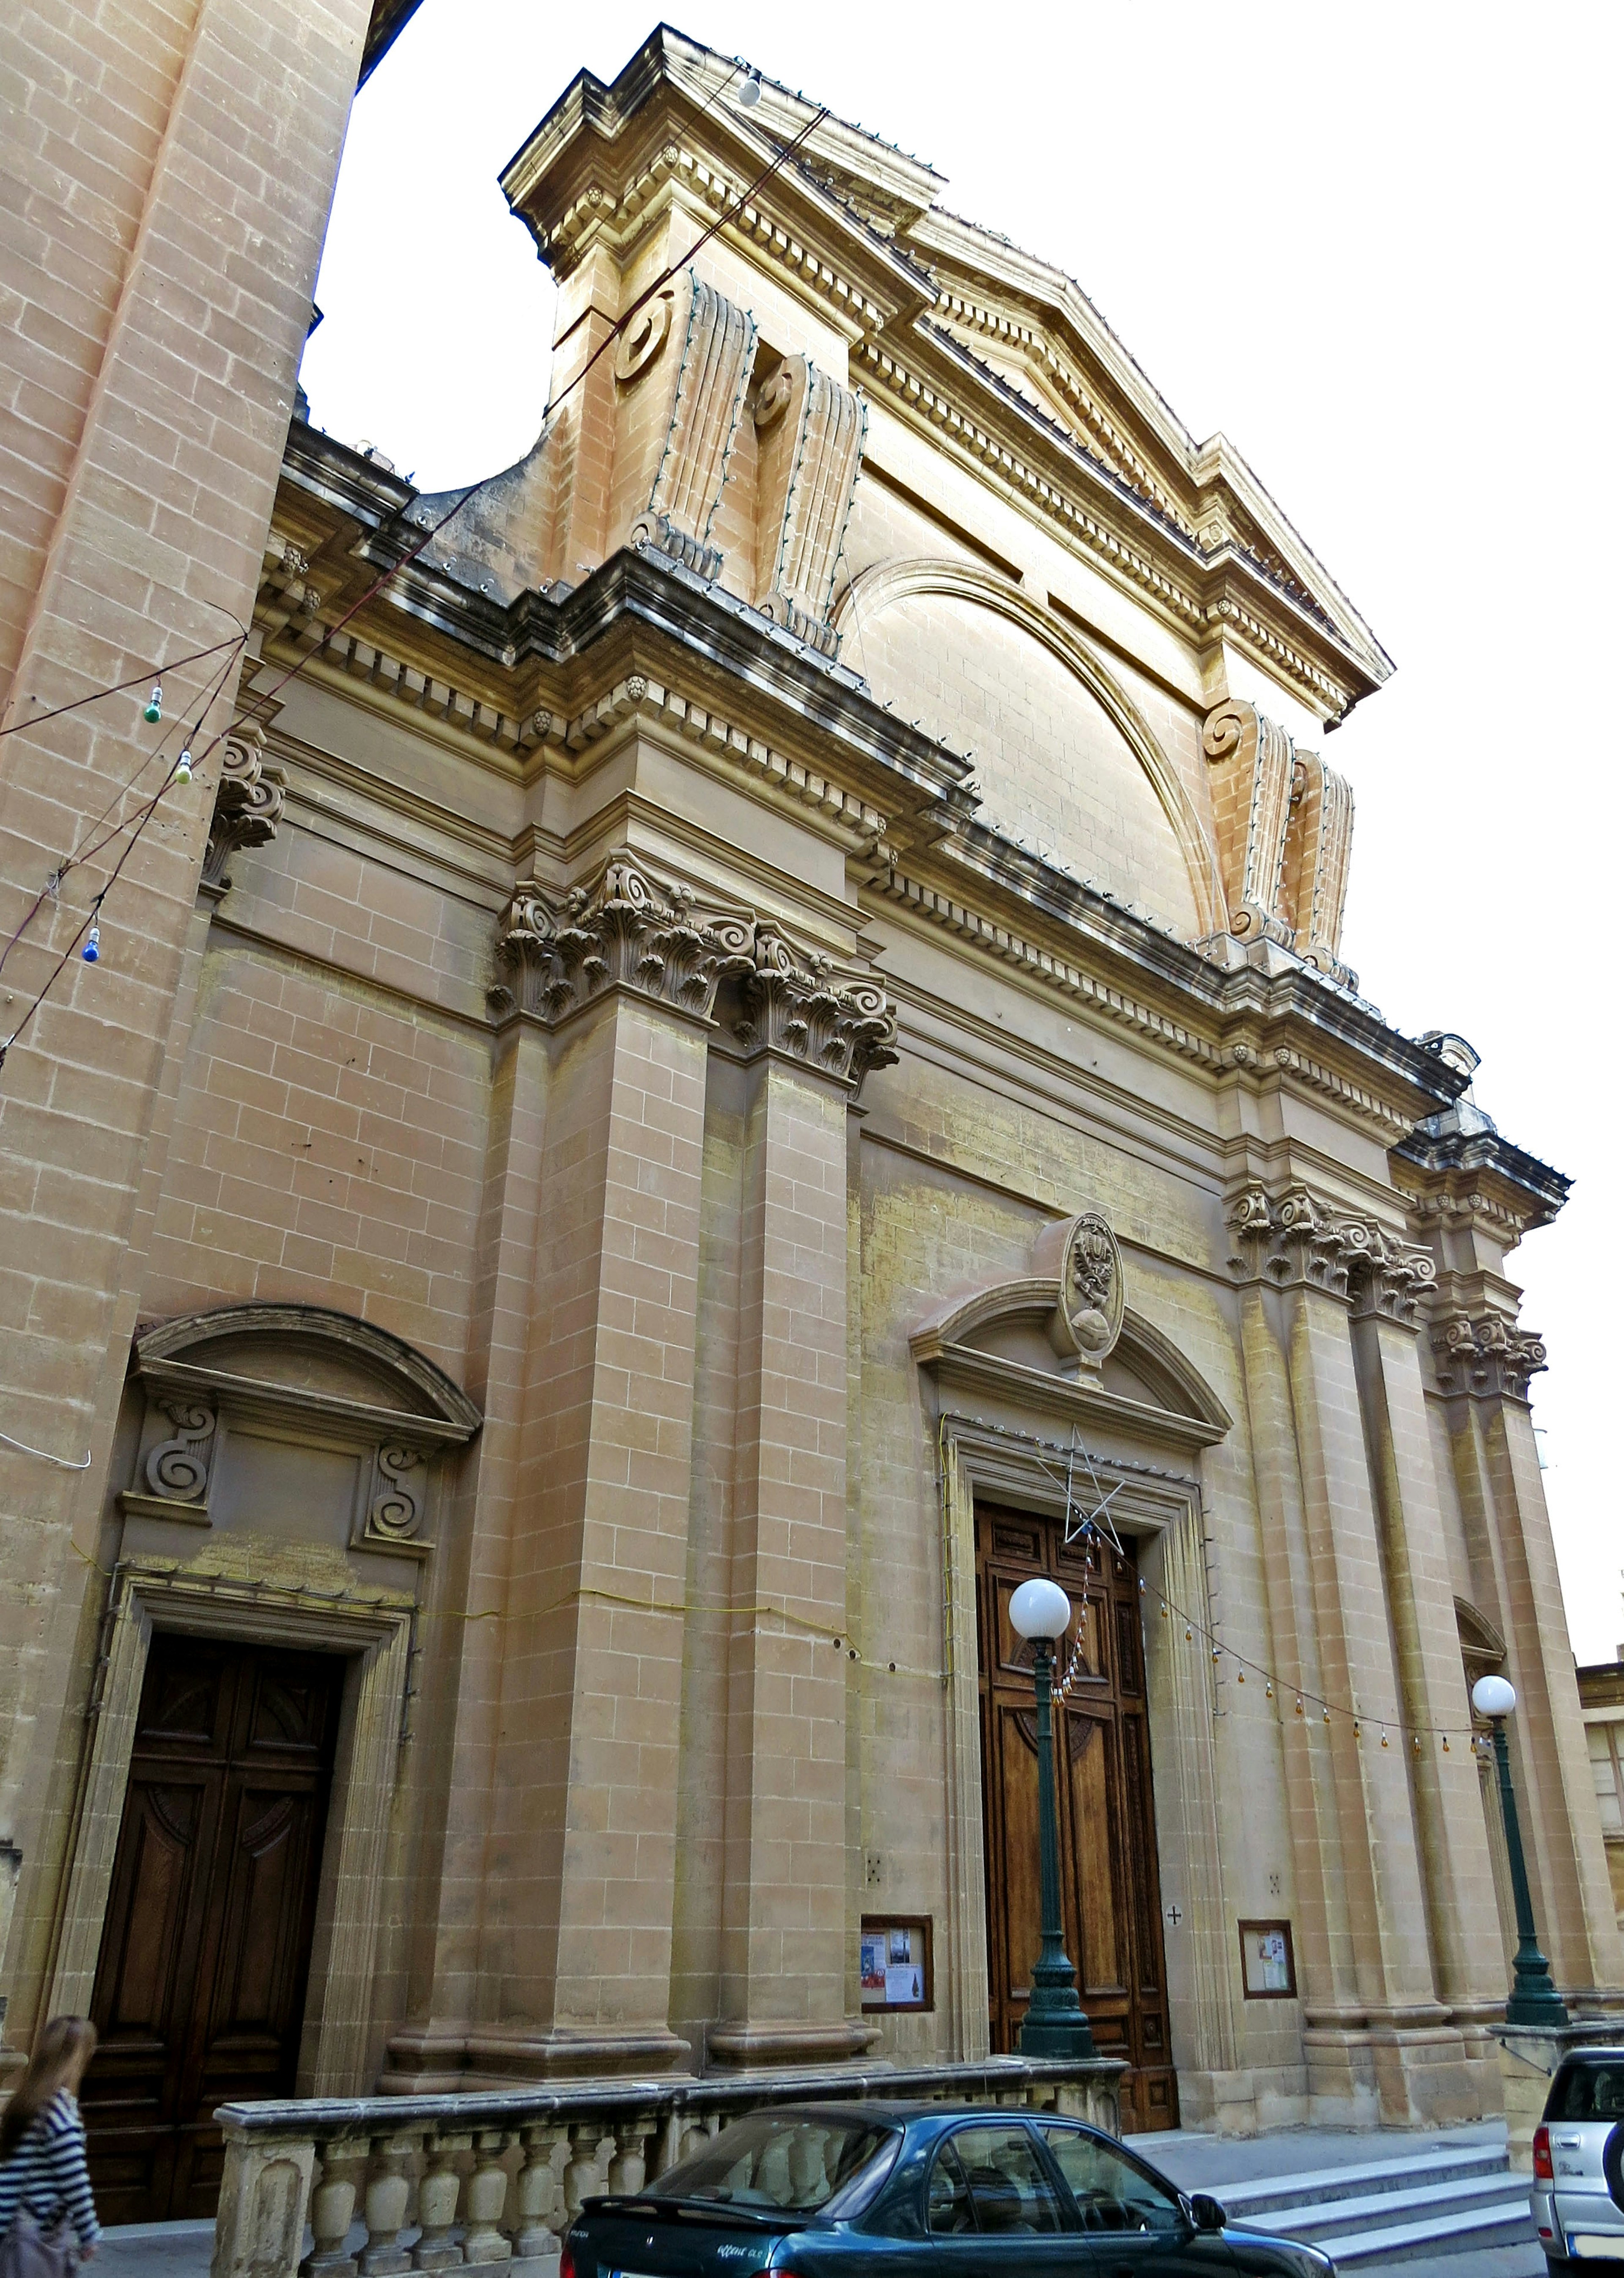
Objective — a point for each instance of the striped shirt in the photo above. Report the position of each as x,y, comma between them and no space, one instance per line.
47,2172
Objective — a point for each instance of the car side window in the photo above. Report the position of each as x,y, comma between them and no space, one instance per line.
1009,2193
1111,2193
947,2196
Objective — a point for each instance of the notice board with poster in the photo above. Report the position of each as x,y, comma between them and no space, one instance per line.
896,1962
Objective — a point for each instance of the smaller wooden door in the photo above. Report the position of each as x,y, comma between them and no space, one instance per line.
205,1956
1109,1889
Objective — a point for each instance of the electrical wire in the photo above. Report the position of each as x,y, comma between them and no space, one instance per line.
85,852
156,672
63,1463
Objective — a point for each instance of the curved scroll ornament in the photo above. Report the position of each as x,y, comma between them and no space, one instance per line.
178,1468
1091,1295
247,808
1252,772
644,338
396,1501
807,467
707,381
397,1510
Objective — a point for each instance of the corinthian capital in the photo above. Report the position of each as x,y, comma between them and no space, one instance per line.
1297,1240
794,1002
1489,1358
1392,1277
626,930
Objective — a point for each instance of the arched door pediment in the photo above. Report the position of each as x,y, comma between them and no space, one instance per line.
359,1414
998,1341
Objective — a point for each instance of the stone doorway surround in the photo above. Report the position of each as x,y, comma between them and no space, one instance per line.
286,1475
376,1641
1004,1415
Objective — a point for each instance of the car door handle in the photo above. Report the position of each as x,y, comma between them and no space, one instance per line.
1569,2143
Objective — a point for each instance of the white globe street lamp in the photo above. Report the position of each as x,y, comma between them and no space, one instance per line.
1534,1998
1054,2024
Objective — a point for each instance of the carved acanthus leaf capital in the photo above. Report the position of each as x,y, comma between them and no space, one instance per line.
794,1002
626,930
248,807
1489,1357
1297,1240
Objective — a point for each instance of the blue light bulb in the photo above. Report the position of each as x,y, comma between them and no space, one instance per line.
92,949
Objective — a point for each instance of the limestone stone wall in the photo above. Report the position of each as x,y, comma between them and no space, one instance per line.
662,1069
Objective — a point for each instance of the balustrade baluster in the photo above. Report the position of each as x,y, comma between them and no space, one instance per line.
487,2195
437,2205
388,2194
332,2208
541,2220
629,2168
584,2175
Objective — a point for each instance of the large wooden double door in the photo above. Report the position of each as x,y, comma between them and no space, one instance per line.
1109,1888
200,1987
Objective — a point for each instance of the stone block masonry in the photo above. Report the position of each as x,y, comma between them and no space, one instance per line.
168,172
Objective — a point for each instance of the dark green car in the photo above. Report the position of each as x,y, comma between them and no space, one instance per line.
886,2190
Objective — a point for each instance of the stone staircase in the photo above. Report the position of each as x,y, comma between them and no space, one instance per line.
1431,2204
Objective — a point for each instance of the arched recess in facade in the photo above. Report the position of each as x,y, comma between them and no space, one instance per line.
877,588
282,1469
1006,1412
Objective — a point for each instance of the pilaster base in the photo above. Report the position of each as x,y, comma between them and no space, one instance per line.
450,2060
1381,2075
773,2044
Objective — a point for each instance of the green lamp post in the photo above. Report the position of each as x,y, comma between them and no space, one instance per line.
1534,1999
1054,2025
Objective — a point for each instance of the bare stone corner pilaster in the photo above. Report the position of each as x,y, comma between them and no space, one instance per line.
247,808
1489,1358
793,1002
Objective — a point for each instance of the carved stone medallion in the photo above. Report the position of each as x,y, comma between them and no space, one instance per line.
1091,1286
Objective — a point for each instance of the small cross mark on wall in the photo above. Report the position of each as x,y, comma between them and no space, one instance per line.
1175,1913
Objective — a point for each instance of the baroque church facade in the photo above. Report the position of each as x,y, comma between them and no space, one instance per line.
764,1052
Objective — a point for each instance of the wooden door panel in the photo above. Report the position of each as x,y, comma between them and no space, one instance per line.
205,1952
1092,1824
1110,1891
1018,1781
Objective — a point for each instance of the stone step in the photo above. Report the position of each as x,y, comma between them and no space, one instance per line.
1339,2218
1265,2195
1472,2231
1438,2202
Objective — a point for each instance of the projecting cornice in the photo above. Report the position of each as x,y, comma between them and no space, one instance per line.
646,645
930,306
1458,1176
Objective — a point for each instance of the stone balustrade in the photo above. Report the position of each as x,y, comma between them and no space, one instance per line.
492,2183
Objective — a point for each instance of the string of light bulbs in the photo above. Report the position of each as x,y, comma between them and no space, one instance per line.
1274,1687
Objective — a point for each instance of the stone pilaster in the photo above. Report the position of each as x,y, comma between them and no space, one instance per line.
1484,1363
1390,1281
1399,2047
784,1955
1324,1942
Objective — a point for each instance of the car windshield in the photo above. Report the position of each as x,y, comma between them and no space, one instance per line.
774,2160
1589,2091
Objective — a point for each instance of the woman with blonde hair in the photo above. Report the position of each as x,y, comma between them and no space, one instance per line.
44,2184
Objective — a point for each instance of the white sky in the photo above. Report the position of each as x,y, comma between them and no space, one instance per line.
1377,245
